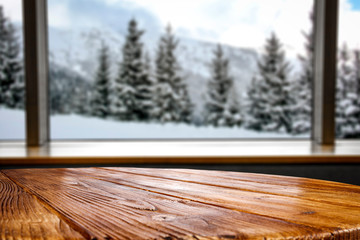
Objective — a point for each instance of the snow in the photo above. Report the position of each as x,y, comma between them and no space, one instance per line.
12,127
73,126
12,124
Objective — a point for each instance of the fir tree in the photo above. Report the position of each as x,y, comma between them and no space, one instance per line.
302,90
81,103
354,114
171,98
147,65
15,92
150,89
101,97
4,86
233,114
344,90
218,90
12,92
69,92
144,90
270,103
132,86
347,95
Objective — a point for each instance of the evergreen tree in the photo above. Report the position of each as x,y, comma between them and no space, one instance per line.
270,103
12,92
3,32
233,114
348,95
144,91
257,115
344,90
101,97
150,89
81,103
302,90
69,92
351,128
147,66
132,86
15,90
354,114
218,90
171,98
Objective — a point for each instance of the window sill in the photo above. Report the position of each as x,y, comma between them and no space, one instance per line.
179,152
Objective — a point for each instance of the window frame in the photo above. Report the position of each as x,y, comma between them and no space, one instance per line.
37,69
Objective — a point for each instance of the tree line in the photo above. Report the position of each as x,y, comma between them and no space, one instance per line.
274,101
138,93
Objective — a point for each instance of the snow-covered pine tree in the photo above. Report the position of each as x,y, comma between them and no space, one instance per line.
302,89
218,90
81,102
4,86
14,90
101,97
257,115
147,65
270,102
132,86
144,90
355,113
233,114
150,89
171,98
69,92
348,95
344,91
352,112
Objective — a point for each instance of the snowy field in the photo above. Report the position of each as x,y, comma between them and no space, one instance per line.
12,124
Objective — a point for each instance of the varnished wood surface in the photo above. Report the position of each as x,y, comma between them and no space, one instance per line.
135,203
23,217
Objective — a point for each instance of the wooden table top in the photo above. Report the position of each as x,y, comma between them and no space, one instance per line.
135,203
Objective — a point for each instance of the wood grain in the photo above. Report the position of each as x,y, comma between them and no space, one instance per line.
134,203
23,217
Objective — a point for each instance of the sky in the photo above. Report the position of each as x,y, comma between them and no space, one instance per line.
243,23
355,4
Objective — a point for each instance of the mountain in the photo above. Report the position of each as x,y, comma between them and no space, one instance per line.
77,50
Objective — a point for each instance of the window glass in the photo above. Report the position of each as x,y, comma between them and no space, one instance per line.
12,86
180,69
348,72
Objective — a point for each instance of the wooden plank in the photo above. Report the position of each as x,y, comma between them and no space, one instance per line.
319,191
23,217
322,214
123,203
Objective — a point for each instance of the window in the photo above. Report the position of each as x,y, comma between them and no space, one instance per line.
12,86
180,69
35,44
348,80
